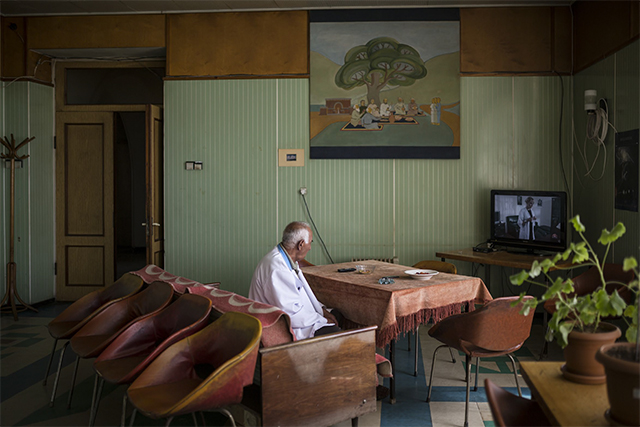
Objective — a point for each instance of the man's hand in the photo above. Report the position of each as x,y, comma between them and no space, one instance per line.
330,317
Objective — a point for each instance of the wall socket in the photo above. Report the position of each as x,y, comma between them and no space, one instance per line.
303,190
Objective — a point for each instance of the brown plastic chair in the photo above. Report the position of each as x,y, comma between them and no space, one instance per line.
588,282
509,410
442,267
100,331
205,371
135,348
74,317
305,263
496,329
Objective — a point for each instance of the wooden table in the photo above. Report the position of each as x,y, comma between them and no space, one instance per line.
499,258
396,308
565,403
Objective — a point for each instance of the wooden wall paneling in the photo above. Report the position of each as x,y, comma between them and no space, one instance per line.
112,31
601,28
236,44
505,40
13,47
39,66
561,59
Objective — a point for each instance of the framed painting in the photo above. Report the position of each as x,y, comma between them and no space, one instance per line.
385,84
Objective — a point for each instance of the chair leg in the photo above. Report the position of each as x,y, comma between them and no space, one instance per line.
453,358
195,421
168,421
475,388
99,385
515,373
55,382
228,414
354,422
124,409
46,375
133,416
409,341
73,381
466,405
433,363
415,364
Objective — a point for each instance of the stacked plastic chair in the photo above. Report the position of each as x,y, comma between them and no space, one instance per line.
203,372
135,348
105,327
78,314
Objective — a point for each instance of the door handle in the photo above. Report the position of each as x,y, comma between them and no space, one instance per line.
155,224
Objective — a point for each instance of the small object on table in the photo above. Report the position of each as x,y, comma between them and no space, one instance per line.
388,280
365,269
421,274
346,270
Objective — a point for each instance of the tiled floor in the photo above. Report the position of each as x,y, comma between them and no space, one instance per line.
25,347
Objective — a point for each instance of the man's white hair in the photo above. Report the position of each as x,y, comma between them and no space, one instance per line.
294,232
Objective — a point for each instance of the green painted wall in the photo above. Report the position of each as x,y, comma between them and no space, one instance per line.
616,79
28,111
220,221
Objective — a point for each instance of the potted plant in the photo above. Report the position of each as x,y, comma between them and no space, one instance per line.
621,363
577,320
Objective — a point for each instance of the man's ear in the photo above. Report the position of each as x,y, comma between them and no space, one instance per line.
300,244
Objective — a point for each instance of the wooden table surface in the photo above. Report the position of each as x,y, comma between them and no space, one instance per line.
501,258
565,403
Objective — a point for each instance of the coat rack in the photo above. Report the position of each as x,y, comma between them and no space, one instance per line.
11,293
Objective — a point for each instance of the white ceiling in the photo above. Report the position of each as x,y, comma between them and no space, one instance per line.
104,7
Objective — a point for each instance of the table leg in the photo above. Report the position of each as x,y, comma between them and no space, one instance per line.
392,380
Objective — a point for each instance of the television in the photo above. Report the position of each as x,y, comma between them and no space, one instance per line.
532,222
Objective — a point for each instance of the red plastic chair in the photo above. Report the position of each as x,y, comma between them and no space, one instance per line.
509,410
78,314
100,331
496,329
203,372
135,348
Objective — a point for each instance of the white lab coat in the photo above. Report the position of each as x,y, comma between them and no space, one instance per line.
524,228
276,284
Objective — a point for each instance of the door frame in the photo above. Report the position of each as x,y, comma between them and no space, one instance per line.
61,67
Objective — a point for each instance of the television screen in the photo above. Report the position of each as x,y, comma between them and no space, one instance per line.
531,220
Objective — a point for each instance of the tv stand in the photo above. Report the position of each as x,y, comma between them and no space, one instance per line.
528,251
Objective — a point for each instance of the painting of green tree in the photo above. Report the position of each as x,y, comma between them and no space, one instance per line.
385,89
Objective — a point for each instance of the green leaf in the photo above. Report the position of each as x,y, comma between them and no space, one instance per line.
536,269
618,305
563,333
607,237
581,253
632,333
577,225
630,312
518,279
547,264
629,263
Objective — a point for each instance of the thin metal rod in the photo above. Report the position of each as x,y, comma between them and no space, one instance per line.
515,373
73,381
466,405
55,382
46,375
433,363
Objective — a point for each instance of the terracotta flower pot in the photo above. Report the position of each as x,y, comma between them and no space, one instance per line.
580,354
623,381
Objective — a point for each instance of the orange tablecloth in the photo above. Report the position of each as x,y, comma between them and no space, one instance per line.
396,308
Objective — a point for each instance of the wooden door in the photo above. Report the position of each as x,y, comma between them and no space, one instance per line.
84,203
155,188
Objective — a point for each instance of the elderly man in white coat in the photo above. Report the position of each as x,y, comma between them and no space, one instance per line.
278,281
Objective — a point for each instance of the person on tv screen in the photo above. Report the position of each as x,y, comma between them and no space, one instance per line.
527,220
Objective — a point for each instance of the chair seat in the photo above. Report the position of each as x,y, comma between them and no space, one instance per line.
120,371
158,400
90,345
63,330
475,351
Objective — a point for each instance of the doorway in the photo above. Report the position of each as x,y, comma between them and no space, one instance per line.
107,130
130,193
